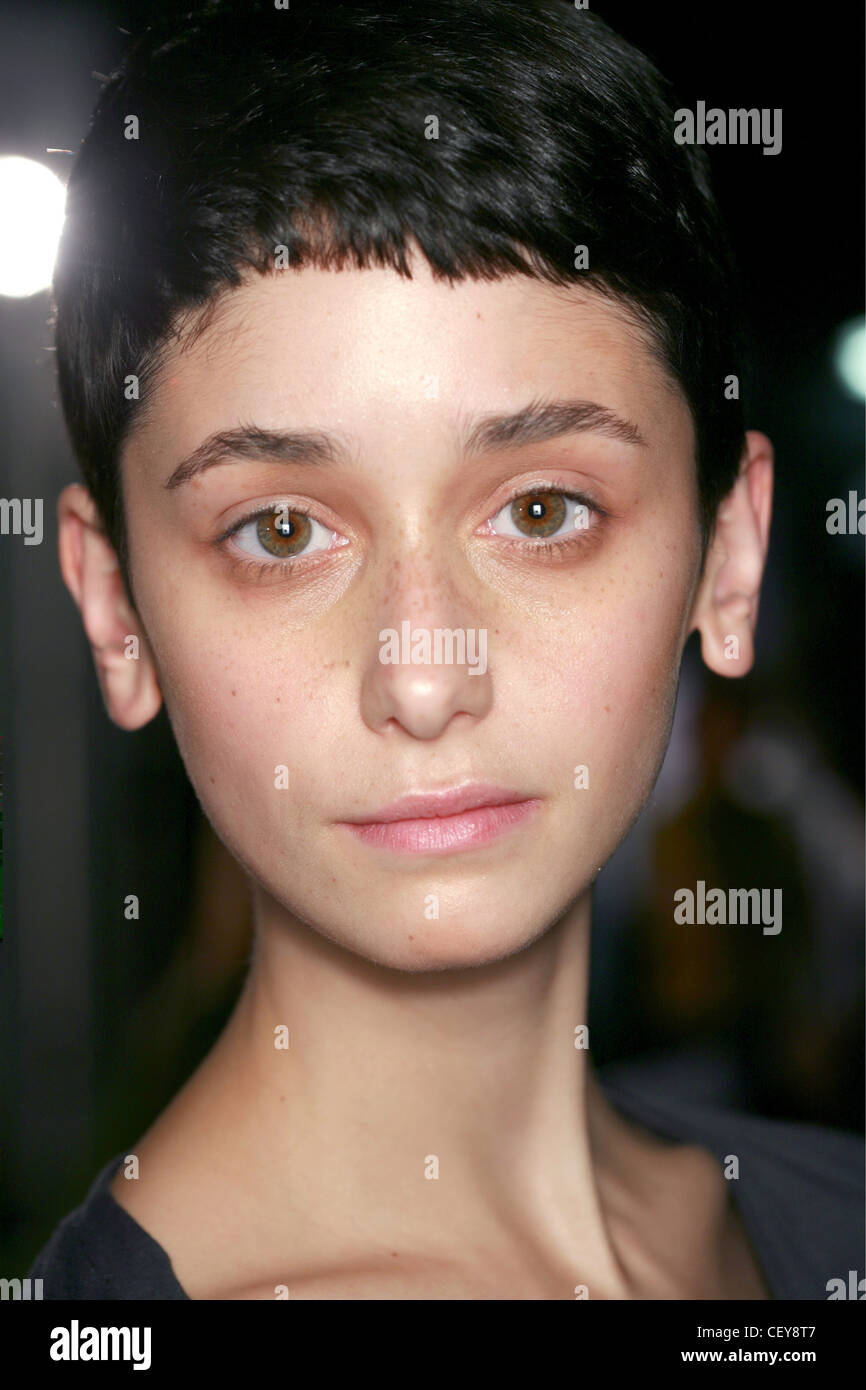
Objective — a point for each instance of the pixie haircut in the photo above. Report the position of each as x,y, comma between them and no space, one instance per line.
308,128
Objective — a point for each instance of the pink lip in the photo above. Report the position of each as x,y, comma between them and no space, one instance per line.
444,822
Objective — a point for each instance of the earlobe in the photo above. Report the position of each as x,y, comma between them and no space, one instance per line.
121,653
725,611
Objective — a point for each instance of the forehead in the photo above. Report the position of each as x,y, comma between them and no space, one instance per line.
373,353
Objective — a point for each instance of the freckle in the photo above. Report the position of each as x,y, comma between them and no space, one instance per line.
234,692
393,1254
211,779
278,699
607,709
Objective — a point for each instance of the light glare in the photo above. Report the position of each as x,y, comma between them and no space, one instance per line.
32,202
849,357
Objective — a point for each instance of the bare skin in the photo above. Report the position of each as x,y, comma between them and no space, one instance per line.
417,1038
659,1222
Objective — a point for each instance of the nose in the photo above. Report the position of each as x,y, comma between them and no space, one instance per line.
427,660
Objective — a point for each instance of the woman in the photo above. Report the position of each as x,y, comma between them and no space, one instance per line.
400,354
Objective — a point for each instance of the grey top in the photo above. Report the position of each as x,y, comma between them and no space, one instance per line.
800,1193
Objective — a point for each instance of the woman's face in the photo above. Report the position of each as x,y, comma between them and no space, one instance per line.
271,643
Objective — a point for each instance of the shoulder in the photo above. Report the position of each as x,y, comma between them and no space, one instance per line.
799,1153
800,1187
98,1251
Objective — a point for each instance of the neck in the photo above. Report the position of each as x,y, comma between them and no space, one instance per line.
417,1107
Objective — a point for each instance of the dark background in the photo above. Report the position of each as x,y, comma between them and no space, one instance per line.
102,1019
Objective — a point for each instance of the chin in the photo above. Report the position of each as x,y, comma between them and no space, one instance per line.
418,948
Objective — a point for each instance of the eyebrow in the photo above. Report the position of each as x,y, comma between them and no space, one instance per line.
542,420
538,421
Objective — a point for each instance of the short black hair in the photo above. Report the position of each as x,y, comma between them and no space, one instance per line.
307,128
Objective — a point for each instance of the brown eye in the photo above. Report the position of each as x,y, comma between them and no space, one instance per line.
283,532
549,515
538,513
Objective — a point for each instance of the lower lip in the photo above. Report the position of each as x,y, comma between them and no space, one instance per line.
445,834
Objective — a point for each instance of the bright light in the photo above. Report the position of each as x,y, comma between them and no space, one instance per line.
32,201
849,357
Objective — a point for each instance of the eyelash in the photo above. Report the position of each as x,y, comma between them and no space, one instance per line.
555,547
258,569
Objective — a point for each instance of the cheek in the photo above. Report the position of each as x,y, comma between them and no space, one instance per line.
605,690
247,720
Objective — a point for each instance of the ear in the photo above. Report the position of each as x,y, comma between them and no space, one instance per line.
125,667
725,610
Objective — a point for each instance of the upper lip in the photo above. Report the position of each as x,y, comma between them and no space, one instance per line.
449,802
